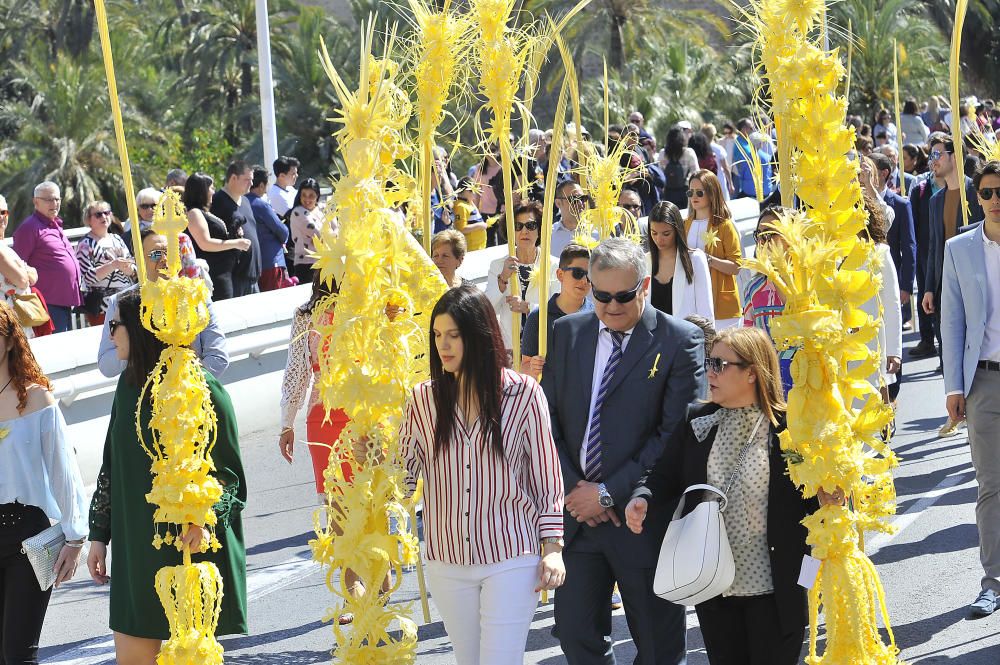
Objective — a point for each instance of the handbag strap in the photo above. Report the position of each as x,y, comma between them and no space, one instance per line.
743,455
693,488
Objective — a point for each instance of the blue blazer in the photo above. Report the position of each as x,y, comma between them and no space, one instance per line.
641,410
963,309
902,240
935,248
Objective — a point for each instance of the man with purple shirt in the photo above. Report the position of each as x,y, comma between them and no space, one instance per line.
40,242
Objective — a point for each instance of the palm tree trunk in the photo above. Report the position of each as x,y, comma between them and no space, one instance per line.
616,51
182,12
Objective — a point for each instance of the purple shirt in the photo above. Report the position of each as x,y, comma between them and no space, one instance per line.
41,243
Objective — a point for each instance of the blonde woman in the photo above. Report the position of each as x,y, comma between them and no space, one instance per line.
762,616
709,227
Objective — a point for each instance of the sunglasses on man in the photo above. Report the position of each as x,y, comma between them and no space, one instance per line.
622,297
578,273
986,193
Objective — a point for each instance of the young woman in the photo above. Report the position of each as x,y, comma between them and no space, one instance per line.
709,227
678,163
214,242
39,481
762,617
681,284
480,436
527,262
762,300
119,506
447,253
305,220
106,264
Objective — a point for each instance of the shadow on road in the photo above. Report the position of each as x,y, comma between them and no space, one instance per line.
951,539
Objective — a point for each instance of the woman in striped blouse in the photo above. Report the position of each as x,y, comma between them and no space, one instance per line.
479,434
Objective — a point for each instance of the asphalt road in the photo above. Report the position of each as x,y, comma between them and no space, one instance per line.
930,568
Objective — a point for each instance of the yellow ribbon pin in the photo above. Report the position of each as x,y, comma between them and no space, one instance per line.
655,368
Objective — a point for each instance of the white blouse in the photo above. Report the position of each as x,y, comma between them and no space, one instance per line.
38,468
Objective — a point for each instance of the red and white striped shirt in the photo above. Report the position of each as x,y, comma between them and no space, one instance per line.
478,509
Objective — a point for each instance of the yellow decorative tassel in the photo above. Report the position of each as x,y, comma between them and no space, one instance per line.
191,594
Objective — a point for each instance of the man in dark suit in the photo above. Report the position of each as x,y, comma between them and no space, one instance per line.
618,381
902,243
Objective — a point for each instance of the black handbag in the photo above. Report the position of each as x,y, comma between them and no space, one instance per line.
93,300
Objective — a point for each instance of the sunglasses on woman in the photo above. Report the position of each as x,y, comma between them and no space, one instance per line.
531,226
695,192
113,326
718,365
622,296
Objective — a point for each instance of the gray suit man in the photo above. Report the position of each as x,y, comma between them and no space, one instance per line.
970,351
618,381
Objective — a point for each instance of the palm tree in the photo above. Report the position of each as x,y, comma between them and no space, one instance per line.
923,67
980,37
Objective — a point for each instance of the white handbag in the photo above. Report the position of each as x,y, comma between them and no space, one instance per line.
696,562
42,551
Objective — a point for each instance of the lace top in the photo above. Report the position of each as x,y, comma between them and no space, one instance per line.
303,365
746,512
38,468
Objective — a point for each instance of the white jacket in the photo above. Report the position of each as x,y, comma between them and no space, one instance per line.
499,299
693,298
890,332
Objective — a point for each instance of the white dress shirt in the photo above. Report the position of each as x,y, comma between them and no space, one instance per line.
281,199
605,345
696,234
991,336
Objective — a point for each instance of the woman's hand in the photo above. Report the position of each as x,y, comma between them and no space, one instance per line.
635,514
518,305
893,365
551,571
509,266
65,567
196,538
242,244
835,498
97,562
286,444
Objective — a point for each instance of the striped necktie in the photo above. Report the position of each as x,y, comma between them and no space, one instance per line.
592,468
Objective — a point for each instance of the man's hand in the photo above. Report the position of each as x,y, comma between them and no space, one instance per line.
534,366
956,407
904,297
609,515
583,503
635,514
928,303
893,364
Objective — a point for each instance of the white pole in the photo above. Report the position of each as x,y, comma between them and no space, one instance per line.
267,123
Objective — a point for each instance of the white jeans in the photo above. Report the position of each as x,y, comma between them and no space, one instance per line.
487,610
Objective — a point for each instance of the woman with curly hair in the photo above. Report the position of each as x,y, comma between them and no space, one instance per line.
39,482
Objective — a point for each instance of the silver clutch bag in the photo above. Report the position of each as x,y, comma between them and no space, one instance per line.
42,551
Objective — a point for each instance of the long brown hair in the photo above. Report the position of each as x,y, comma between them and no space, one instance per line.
666,212
718,210
24,369
755,348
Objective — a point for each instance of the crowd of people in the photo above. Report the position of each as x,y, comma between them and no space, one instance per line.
658,374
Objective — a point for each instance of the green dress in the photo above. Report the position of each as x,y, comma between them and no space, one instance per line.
119,508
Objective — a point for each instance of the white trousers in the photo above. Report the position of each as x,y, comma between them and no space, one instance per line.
487,610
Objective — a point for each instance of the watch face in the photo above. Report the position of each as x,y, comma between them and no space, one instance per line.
606,501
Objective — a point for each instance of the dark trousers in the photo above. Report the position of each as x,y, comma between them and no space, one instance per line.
583,607
22,602
746,631
62,317
925,320
305,273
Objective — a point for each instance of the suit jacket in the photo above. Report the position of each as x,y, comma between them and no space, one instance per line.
685,463
963,309
935,249
902,241
920,200
641,409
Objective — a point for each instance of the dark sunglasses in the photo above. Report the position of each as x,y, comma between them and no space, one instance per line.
691,193
113,326
986,193
764,236
101,213
622,296
578,273
157,255
147,206
632,206
531,226
718,365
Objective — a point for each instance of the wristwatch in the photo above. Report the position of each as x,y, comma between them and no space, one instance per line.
552,540
604,497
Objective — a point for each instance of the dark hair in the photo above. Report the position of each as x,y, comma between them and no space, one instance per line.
882,163
143,346
699,144
570,253
918,156
991,167
260,176
145,233
308,183
196,188
484,358
744,125
971,164
235,168
875,230
320,290
176,176
910,106
533,208
861,142
465,183
674,144
942,138
666,212
562,184
284,164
